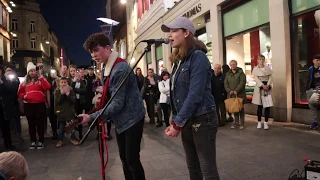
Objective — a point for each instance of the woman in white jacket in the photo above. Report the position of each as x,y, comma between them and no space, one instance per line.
263,77
164,88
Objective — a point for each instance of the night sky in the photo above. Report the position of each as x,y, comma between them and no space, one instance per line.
73,21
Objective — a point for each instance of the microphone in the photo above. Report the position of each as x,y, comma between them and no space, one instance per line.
152,41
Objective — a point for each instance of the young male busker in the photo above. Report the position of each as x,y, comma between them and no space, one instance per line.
126,109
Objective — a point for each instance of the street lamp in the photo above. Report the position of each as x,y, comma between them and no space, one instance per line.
123,1
47,42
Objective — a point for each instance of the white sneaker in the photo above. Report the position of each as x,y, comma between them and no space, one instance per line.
259,126
40,145
265,126
33,145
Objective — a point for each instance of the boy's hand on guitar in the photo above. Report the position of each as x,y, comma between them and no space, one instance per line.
85,118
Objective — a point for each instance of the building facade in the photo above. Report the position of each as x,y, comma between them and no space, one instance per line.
119,31
33,41
286,32
5,35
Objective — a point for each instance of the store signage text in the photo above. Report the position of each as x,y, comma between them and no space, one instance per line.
195,10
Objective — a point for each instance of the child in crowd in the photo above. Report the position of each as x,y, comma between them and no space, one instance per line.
64,106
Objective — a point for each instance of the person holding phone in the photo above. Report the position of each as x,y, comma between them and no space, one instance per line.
12,84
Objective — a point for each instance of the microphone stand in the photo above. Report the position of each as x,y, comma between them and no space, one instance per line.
91,127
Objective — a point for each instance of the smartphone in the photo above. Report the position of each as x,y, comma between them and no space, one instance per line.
11,76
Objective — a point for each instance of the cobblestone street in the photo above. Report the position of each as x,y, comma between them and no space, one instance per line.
250,154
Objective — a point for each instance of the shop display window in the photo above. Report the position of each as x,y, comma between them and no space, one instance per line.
245,48
304,44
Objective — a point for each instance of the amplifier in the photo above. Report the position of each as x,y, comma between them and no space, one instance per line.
312,170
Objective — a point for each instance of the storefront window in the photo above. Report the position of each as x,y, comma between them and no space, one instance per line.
245,48
305,44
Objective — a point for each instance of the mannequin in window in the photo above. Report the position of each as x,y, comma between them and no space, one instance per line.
268,55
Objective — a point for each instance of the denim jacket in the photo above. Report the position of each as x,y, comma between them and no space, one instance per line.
190,87
126,109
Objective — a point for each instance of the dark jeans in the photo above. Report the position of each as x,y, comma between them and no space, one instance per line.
159,112
266,113
151,101
221,112
79,109
36,115
62,125
239,118
129,149
53,120
5,129
165,108
199,142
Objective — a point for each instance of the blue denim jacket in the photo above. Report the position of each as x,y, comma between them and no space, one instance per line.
127,108
191,88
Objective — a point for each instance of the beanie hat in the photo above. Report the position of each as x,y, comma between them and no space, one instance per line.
30,66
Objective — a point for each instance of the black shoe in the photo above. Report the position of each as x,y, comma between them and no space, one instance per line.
109,137
230,119
80,136
159,125
55,136
20,139
11,148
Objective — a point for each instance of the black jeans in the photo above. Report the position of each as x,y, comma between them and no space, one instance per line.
129,149
199,142
6,130
151,101
36,115
266,113
53,120
221,112
166,110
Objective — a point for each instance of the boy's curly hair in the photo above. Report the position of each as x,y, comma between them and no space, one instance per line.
96,39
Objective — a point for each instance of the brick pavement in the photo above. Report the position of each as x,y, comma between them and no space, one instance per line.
249,154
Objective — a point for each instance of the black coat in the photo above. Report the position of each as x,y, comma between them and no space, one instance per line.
9,98
140,81
90,94
153,89
217,88
81,91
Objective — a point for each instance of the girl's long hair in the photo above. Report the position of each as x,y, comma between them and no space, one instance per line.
181,52
71,66
29,79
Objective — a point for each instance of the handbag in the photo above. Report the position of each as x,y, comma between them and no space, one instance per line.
266,99
234,105
315,99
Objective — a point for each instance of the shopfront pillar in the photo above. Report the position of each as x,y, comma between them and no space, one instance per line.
217,38
281,60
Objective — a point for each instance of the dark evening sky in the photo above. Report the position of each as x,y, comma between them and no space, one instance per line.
73,21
